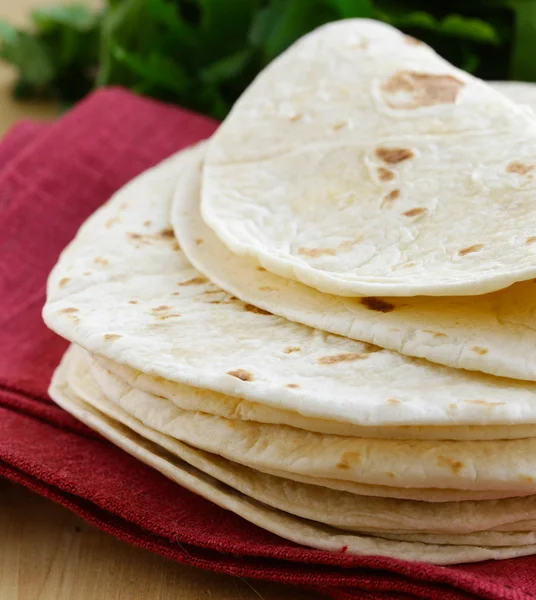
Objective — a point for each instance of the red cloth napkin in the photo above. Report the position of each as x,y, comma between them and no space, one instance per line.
51,178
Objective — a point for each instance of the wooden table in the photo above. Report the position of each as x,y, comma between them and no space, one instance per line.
48,553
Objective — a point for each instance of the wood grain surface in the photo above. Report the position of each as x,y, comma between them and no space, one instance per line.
48,553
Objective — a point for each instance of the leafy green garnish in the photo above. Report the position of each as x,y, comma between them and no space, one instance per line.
203,53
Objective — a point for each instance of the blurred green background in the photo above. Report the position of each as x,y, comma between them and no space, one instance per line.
202,53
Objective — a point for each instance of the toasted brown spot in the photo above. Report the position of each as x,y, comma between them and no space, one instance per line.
168,316
377,304
101,261
454,465
256,309
415,212
453,406
411,90
295,118
175,246
390,198
193,281
175,293
344,357
261,269
371,348
385,174
316,252
479,350
86,273
392,156
133,302
68,310
111,222
436,334
266,288
393,401
470,249
526,478
147,223
161,308
339,125
485,402
291,349
390,474
530,240
206,292
198,241
411,41
241,374
134,236
63,282
520,168
166,233
347,459
110,337
292,386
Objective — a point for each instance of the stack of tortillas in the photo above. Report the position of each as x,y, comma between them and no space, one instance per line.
323,318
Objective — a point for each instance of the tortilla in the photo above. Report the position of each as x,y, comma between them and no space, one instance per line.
363,164
123,290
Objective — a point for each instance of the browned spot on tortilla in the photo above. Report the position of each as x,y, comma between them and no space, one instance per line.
454,465
241,374
134,236
344,357
436,334
266,288
453,406
293,386
133,302
339,125
148,238
147,223
470,249
485,402
101,261
377,304
175,293
479,350
526,478
86,273
371,348
166,233
411,41
291,349
161,308
111,221
316,252
261,269
520,168
206,292
392,156
63,282
347,458
168,316
256,309
393,401
70,309
295,118
110,337
193,281
198,241
411,90
385,174
390,474
175,246
530,240
390,198
415,212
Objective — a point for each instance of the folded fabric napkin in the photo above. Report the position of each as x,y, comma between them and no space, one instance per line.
51,178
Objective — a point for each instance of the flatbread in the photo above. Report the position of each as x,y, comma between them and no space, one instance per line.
122,289
362,164
298,530
460,465
492,333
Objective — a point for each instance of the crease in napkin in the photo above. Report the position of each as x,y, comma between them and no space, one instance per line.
52,177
